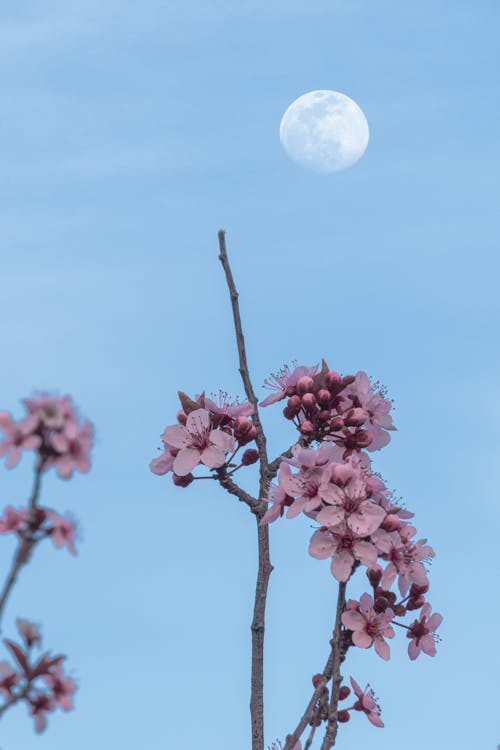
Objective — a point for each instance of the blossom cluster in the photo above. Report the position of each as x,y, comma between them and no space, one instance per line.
359,522
52,429
208,432
37,523
324,405
38,681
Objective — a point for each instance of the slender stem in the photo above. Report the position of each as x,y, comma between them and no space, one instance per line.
309,740
331,668
25,545
264,563
15,698
338,657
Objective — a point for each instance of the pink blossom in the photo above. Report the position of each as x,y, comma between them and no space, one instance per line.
40,704
372,401
62,531
72,446
19,436
278,500
62,688
422,633
405,557
369,627
350,502
283,380
223,407
306,486
342,544
366,702
30,632
12,519
164,463
198,443
52,411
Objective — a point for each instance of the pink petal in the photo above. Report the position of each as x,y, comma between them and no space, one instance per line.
176,435
428,645
330,516
353,620
365,553
198,421
362,639
213,457
342,565
434,621
222,440
382,649
185,461
413,650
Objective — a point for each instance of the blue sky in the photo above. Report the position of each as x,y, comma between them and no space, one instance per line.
129,134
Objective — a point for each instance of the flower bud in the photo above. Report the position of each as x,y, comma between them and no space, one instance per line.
380,604
343,717
181,417
399,610
332,379
374,576
309,401
363,438
356,417
307,427
316,679
184,481
242,425
336,424
289,413
305,384
294,403
324,415
344,692
247,437
249,457
415,603
324,397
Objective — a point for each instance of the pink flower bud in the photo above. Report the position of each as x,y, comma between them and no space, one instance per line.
242,425
294,403
363,438
356,417
337,424
249,457
307,427
344,692
332,379
309,401
324,415
412,604
184,481
380,604
305,384
316,679
289,413
324,396
181,417
343,717
374,576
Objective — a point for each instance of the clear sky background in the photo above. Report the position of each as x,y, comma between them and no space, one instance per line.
129,134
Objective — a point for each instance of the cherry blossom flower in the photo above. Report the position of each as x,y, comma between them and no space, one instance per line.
422,633
164,463
62,688
30,632
369,627
283,380
306,486
372,402
221,406
40,704
198,443
350,503
62,531
366,702
278,500
19,436
12,519
72,447
342,544
405,557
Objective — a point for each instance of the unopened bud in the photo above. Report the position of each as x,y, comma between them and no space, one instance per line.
356,417
324,415
380,604
416,603
242,425
184,481
344,692
305,384
332,379
363,438
337,424
391,522
343,717
249,457
374,576
294,403
307,427
324,396
289,413
316,679
181,417
309,401
248,436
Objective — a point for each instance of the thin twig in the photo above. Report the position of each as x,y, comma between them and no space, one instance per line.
309,740
264,564
234,489
338,657
25,545
331,669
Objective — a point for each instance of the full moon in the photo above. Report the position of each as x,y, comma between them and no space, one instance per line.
324,131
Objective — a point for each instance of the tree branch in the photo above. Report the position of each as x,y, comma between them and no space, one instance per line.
338,657
264,563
